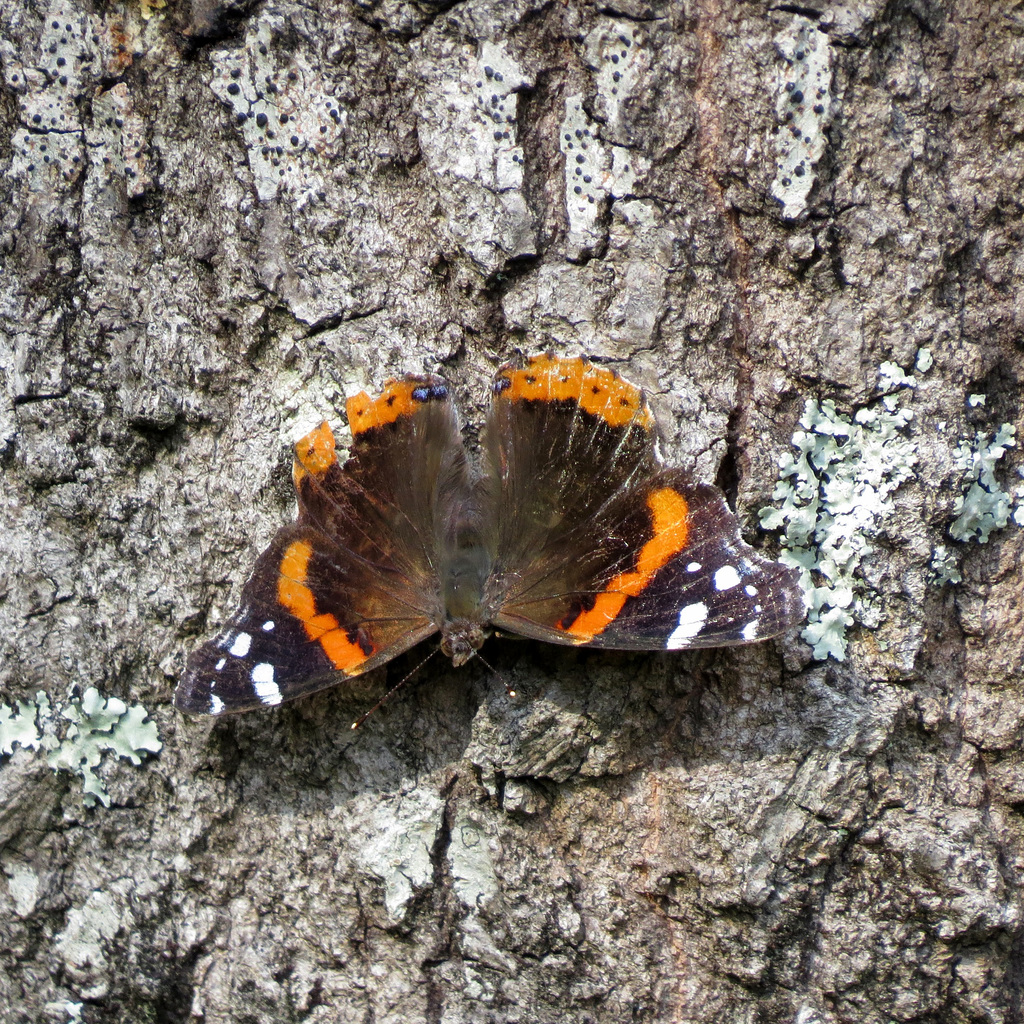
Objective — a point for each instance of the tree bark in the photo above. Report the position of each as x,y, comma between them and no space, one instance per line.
219,219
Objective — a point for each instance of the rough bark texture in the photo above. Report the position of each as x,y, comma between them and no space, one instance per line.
217,219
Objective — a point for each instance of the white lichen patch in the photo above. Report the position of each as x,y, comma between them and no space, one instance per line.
68,119
618,56
82,943
288,119
127,154
836,495
804,110
22,887
476,885
984,506
396,842
96,725
600,166
469,853
596,174
482,106
48,152
44,158
472,98
55,80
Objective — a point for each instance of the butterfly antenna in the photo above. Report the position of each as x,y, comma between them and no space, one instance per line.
387,696
494,671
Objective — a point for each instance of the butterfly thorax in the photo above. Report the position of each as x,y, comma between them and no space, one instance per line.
465,575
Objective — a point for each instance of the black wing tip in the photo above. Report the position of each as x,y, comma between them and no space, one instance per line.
193,697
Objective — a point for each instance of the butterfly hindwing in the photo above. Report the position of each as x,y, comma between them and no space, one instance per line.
279,645
565,438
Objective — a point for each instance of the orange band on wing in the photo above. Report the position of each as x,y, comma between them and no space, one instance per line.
293,593
314,453
671,529
598,390
395,400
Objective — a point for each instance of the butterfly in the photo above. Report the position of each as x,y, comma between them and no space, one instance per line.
574,532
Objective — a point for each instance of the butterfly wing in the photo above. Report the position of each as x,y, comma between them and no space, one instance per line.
597,544
354,581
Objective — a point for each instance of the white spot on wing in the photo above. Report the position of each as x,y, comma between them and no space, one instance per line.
240,648
691,622
220,664
726,578
263,682
268,625
693,567
216,705
751,591
749,631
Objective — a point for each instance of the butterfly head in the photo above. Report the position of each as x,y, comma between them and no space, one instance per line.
461,639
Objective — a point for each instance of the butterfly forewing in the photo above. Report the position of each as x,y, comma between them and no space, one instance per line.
703,587
354,581
621,553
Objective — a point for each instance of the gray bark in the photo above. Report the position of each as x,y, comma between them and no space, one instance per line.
732,835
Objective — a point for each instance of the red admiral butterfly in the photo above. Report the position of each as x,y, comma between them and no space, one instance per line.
575,534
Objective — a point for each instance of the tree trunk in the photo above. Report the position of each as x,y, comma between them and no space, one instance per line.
219,219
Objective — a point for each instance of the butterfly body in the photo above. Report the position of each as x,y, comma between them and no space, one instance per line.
572,531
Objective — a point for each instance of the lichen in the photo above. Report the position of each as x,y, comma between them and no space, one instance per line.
18,725
96,725
983,506
836,496
477,102
944,565
600,167
288,117
804,109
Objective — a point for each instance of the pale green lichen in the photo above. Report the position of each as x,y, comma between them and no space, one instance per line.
944,565
18,725
836,495
96,725
983,506
892,376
